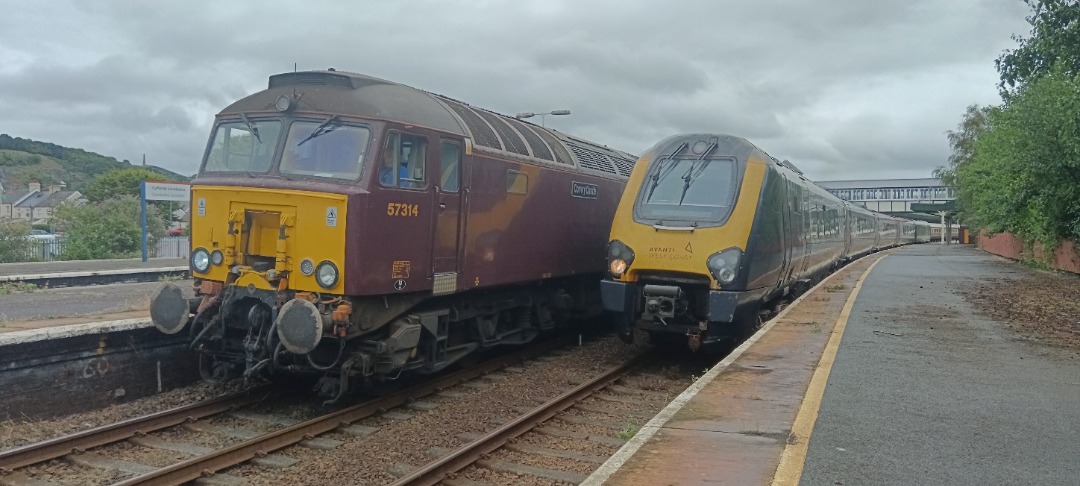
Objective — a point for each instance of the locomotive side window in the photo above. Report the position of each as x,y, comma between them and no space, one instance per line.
450,167
517,182
243,146
403,161
324,150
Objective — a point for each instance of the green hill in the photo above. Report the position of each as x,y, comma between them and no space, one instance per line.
23,161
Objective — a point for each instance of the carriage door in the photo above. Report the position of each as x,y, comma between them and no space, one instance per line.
447,224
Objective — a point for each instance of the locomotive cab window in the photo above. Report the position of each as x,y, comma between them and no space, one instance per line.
243,146
326,149
403,161
450,167
689,189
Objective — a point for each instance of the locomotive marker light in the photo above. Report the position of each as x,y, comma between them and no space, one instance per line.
217,257
299,326
307,267
169,309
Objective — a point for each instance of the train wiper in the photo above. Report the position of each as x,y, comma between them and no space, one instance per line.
695,171
251,127
324,128
662,169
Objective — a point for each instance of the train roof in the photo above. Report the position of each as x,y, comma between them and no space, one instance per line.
365,96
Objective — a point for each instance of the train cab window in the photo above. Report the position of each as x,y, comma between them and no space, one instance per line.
691,189
403,161
450,167
517,182
243,146
324,149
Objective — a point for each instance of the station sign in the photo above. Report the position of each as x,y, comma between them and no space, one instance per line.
168,191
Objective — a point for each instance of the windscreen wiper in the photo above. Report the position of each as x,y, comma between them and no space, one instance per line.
695,171
324,128
251,127
663,170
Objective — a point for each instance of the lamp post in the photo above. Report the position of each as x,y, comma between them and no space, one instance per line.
529,114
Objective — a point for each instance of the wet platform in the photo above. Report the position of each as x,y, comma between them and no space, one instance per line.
883,374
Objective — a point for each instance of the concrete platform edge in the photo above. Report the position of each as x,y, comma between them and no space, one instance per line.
32,335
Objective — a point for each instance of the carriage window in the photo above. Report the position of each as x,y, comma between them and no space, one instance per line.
403,161
243,146
517,182
450,167
325,149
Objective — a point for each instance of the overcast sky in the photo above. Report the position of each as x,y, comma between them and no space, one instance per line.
845,89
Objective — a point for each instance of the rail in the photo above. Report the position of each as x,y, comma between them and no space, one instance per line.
469,453
107,434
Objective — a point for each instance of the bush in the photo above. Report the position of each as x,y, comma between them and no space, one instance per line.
109,229
14,240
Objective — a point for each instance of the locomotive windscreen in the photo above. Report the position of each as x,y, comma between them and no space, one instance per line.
691,189
324,150
243,146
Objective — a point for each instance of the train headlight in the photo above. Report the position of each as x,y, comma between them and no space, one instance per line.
307,267
283,103
724,265
217,257
326,274
200,260
620,257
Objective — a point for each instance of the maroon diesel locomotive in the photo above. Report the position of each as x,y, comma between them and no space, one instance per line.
357,228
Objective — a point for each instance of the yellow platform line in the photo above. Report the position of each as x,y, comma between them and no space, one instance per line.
789,471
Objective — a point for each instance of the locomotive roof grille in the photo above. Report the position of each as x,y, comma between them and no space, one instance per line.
511,141
539,149
561,155
590,159
482,133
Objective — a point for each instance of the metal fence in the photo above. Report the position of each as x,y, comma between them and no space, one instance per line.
52,249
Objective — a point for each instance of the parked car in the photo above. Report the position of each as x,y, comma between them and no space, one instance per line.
176,232
41,235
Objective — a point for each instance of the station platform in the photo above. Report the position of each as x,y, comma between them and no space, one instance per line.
66,271
882,374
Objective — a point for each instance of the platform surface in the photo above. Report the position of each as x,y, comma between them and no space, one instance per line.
902,383
44,268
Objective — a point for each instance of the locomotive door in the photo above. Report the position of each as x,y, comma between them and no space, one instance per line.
446,232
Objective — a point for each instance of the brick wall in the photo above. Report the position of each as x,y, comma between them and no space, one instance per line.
1066,257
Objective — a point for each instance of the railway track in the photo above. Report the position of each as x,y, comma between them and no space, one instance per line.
480,449
76,448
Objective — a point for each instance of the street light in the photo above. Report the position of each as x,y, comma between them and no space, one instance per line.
529,114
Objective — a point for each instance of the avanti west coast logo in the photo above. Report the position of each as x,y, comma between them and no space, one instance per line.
581,189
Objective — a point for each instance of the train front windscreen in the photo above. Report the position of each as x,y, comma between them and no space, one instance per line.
688,191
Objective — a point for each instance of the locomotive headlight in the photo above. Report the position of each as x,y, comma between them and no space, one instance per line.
283,103
326,274
617,267
724,266
620,257
217,257
200,260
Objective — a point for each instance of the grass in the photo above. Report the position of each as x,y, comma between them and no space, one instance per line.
16,288
835,288
170,278
628,432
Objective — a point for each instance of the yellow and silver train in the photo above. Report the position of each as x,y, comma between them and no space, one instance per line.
711,227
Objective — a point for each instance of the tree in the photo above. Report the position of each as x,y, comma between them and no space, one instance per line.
123,182
14,240
109,229
976,121
1054,41
1024,175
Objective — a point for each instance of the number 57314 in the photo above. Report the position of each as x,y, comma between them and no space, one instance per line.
402,209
